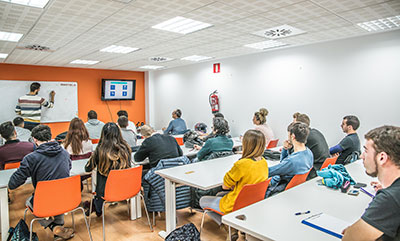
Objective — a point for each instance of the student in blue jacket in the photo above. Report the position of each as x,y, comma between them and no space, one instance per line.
177,126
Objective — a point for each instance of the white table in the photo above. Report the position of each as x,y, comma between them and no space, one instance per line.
274,219
203,175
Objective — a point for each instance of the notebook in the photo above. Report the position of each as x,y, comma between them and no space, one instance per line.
327,224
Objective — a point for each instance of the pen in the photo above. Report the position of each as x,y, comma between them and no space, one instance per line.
302,213
366,192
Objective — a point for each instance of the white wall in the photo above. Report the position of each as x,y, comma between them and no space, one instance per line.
359,76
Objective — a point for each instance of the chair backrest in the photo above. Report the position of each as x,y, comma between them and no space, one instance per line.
251,193
179,140
329,161
297,179
272,143
12,165
123,184
56,197
95,141
80,157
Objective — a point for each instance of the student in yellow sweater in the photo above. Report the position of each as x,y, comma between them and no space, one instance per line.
252,168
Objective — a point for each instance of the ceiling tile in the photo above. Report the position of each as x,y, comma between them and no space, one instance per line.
257,6
378,11
338,6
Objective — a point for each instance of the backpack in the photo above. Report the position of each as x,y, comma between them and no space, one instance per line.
21,232
187,232
191,138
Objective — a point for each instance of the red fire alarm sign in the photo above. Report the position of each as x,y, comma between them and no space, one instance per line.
217,68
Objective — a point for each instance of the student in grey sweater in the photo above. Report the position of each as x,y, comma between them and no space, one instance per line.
127,134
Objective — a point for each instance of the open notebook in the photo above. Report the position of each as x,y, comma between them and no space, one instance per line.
327,224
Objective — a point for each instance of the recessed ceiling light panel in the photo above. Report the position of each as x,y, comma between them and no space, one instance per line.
82,61
12,37
160,59
196,58
266,44
3,56
151,67
279,32
31,3
118,49
381,24
182,25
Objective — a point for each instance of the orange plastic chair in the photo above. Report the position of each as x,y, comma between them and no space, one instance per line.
179,140
57,197
122,185
250,193
95,141
329,161
12,165
272,143
297,179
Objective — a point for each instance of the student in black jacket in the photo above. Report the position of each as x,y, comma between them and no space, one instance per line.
48,162
156,147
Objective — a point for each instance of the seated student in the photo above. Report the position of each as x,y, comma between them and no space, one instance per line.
93,125
381,158
260,122
217,144
13,150
128,135
156,147
48,162
22,133
131,125
299,162
77,142
252,168
205,137
350,143
315,142
177,126
112,153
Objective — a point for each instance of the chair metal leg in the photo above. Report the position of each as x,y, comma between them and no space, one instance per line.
90,210
86,222
154,219
229,233
73,221
104,231
202,220
129,210
26,210
147,214
31,230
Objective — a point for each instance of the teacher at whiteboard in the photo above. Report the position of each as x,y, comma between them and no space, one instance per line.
30,105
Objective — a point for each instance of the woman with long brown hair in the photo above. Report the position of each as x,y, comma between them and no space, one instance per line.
77,141
112,153
251,168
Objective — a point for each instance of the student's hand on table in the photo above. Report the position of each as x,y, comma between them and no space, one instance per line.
238,152
377,186
52,94
335,154
163,129
197,147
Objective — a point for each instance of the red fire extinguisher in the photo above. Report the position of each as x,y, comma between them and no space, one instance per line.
214,102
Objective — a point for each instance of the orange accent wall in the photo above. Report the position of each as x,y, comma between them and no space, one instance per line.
89,90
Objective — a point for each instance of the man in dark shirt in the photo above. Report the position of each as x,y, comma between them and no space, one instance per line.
381,156
315,142
13,150
48,162
349,144
156,147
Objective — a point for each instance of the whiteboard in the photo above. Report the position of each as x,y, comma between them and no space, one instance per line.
65,101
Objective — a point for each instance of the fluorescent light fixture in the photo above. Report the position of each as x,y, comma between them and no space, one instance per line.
31,3
182,25
381,24
3,56
81,61
196,58
151,67
12,37
266,44
118,49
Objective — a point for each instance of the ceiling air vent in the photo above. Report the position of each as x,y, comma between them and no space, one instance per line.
279,32
160,59
36,47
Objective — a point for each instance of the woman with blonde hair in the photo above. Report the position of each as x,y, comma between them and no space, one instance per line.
260,123
77,141
112,153
251,168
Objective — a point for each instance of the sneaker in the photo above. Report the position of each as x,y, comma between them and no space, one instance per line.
62,233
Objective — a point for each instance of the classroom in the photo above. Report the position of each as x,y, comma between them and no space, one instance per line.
325,59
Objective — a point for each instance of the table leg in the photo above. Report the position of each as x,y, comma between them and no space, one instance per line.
136,208
5,225
170,208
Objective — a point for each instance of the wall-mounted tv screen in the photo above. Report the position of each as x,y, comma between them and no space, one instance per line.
118,89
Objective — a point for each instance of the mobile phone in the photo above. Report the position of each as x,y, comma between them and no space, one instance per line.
360,184
353,192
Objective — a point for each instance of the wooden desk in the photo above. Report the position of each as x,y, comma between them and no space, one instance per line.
274,219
